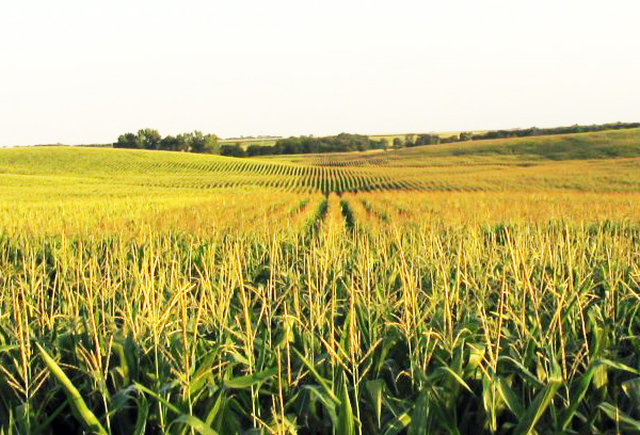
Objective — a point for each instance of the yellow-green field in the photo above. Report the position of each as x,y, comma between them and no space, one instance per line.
485,287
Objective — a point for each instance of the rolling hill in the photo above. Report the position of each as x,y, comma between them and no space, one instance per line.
604,161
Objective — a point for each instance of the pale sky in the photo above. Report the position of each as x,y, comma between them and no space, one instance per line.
82,71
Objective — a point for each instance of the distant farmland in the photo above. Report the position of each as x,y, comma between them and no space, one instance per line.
270,141
247,142
403,136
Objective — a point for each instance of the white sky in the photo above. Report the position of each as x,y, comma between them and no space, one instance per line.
83,71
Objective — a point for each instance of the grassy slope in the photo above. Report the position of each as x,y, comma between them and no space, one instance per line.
579,146
97,161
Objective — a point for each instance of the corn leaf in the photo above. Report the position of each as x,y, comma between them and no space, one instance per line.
195,423
537,408
78,405
247,381
614,413
346,420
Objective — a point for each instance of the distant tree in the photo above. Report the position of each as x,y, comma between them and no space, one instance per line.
427,139
409,140
449,139
169,143
254,150
465,135
127,140
234,150
378,144
184,141
292,145
149,138
259,150
211,144
197,142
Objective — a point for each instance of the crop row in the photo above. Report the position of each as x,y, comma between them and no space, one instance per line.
522,328
412,170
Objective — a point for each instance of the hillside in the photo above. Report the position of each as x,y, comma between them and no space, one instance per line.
605,161
577,146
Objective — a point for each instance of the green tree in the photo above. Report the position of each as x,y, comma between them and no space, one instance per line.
127,140
170,143
234,150
149,138
211,144
197,142
409,140
184,141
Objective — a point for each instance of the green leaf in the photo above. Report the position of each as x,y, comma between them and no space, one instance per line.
523,371
489,402
195,423
375,389
509,397
215,409
614,413
583,385
537,408
346,421
396,426
247,381
618,366
577,396
143,415
632,389
420,417
328,403
118,349
7,348
456,377
189,420
157,397
476,356
78,405
323,382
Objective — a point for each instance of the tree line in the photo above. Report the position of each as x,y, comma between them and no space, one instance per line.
356,142
208,143
533,131
150,139
304,145
428,139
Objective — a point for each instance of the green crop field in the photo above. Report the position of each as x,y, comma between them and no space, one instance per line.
487,287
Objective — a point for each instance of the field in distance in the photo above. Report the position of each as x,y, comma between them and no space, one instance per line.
605,161
485,287
245,142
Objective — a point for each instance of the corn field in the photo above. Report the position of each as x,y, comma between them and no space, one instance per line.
329,297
